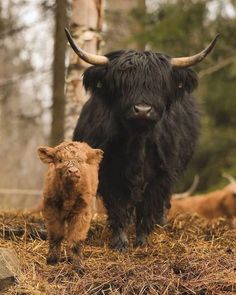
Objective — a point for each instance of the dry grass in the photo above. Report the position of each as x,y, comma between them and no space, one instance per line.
188,256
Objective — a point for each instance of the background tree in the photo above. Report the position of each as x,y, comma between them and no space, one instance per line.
24,96
85,26
58,108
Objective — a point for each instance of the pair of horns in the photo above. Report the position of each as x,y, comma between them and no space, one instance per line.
176,62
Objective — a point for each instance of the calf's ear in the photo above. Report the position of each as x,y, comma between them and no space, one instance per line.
94,156
46,154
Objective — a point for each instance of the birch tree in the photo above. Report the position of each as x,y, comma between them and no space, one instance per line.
85,27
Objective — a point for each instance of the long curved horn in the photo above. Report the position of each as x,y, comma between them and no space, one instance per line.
230,178
190,190
90,58
188,61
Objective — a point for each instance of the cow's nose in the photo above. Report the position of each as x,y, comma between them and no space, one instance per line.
142,109
73,169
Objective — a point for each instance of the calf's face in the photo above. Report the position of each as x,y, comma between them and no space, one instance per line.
70,159
69,169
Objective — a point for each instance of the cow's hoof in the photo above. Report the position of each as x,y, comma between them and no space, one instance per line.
163,221
141,241
52,259
120,243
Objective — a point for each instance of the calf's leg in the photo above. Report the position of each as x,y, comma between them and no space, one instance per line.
78,226
56,229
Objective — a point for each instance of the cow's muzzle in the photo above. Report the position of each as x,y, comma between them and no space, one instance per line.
142,110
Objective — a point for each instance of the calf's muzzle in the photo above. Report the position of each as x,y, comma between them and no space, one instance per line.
73,170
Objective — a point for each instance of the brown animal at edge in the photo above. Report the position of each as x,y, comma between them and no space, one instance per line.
220,203
69,191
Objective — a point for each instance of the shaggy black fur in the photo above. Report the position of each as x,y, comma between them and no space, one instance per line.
143,156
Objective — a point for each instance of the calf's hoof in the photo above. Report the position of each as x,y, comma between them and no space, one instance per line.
52,259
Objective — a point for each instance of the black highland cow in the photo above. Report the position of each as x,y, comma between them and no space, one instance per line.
142,115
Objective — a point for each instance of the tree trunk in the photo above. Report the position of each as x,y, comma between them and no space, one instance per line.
58,110
85,26
122,22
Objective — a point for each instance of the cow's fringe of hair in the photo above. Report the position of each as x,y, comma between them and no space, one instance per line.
155,68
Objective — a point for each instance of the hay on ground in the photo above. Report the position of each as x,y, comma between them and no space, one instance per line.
188,256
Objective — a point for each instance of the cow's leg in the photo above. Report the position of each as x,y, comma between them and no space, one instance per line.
150,211
119,215
56,228
78,227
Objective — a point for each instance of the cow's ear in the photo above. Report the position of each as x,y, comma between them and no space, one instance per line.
94,78
185,80
46,154
94,156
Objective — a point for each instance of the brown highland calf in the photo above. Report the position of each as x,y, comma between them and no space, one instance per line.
69,191
220,203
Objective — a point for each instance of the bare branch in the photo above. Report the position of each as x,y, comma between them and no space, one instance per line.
224,63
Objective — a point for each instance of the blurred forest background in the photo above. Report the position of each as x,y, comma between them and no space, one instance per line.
34,56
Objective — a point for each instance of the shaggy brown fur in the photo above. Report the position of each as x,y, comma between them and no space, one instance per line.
69,191
220,203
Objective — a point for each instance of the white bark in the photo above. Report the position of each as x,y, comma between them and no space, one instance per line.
85,26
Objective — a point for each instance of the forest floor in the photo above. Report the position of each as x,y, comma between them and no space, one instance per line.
189,255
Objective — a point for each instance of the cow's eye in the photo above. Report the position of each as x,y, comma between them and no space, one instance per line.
59,160
99,84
